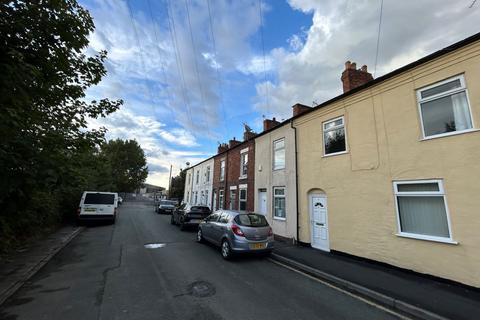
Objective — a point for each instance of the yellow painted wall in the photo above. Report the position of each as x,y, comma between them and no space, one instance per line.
384,143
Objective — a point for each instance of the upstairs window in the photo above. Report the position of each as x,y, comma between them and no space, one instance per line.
444,108
198,176
422,210
222,170
220,198
334,137
243,165
279,154
207,174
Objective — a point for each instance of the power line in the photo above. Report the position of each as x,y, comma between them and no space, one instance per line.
170,96
473,3
202,95
378,37
178,59
263,51
217,70
142,61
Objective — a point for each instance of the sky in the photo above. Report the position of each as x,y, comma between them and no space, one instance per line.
193,72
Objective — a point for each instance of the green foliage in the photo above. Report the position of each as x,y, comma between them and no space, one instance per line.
178,185
47,155
128,164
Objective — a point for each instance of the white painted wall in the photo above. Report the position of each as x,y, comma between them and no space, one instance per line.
204,185
267,178
187,194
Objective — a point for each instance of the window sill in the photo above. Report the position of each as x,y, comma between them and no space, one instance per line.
454,133
334,154
242,177
278,169
426,238
279,218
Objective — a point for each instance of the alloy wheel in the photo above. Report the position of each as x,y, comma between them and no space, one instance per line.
225,249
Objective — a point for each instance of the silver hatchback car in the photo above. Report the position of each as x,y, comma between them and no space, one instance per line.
236,232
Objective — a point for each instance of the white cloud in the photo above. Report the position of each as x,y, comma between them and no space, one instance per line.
347,30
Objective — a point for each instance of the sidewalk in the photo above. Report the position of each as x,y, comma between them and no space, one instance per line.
413,293
19,267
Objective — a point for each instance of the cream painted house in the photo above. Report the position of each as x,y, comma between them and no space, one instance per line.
187,193
201,184
275,179
390,170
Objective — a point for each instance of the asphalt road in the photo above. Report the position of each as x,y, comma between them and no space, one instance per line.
107,273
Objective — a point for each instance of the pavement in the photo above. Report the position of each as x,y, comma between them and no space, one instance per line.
420,295
106,272
18,267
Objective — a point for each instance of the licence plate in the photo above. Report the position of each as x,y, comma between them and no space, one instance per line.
256,246
90,210
195,220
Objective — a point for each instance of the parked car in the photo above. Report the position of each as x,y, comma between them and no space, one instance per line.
237,232
98,206
187,215
166,206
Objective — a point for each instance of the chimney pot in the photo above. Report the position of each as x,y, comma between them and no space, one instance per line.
347,65
353,78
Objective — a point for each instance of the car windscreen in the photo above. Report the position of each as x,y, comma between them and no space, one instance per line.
99,198
251,220
200,209
168,203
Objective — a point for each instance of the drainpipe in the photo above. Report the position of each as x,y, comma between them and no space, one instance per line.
296,177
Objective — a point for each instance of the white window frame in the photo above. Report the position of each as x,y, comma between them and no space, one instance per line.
242,154
439,193
221,194
274,153
198,177
222,170
240,199
334,128
196,197
273,203
207,174
420,100
206,198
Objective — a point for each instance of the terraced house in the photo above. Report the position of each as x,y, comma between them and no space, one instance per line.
390,169
198,183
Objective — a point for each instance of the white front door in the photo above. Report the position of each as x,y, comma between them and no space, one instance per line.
319,222
262,205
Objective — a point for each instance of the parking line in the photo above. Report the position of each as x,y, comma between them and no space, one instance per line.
358,297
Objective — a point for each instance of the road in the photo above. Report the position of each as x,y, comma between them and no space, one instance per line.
107,273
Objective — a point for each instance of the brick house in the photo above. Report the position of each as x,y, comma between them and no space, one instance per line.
234,173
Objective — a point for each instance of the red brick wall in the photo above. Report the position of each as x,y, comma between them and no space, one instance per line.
233,178
217,184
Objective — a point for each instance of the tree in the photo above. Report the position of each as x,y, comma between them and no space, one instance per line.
128,165
177,187
45,147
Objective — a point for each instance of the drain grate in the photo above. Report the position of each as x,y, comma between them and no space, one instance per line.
154,245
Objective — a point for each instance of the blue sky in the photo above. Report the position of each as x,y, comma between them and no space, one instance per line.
185,90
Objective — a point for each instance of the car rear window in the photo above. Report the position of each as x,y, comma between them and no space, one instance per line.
251,220
99,198
200,209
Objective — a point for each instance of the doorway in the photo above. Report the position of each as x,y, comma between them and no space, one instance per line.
319,221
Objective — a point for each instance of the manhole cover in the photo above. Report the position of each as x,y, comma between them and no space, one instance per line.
201,289
154,245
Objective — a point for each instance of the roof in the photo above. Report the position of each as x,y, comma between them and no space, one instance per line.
457,45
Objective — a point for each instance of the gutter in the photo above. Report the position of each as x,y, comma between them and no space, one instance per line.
296,179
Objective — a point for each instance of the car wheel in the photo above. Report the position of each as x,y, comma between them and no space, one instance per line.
226,250
199,236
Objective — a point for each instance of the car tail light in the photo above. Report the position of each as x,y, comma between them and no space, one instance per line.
270,232
236,229
78,211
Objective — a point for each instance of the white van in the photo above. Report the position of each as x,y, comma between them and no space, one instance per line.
98,206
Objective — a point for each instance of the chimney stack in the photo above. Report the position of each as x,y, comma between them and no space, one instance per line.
222,147
232,143
353,77
247,135
299,109
269,124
